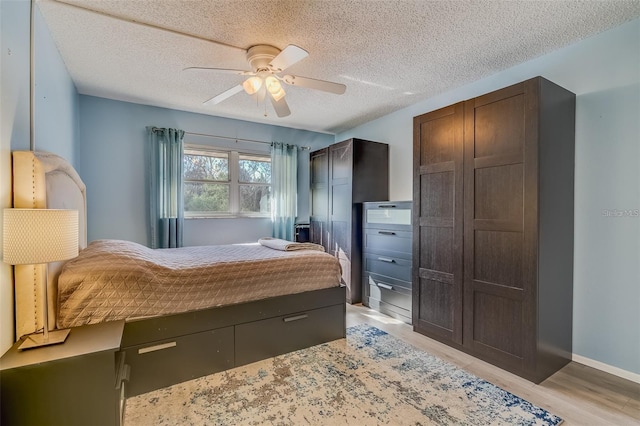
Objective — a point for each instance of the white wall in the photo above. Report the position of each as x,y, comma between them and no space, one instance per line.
604,72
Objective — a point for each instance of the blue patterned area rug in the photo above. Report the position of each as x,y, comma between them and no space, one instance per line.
371,378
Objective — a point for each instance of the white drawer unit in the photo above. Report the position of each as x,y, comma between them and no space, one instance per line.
386,255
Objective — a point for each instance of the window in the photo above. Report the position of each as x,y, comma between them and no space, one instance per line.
221,183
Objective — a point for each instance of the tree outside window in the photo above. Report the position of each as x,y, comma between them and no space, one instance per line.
226,183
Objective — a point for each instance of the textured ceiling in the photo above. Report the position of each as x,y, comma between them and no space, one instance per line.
390,54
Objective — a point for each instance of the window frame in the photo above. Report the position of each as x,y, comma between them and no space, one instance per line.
233,182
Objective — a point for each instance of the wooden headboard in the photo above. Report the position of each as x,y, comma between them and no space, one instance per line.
43,180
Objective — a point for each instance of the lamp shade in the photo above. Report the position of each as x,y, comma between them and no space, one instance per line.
275,88
252,85
32,236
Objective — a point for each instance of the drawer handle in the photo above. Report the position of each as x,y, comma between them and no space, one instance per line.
386,259
296,318
156,348
386,206
127,372
386,233
385,286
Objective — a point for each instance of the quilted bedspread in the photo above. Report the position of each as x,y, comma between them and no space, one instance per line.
113,279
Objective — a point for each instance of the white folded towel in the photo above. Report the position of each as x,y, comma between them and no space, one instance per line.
284,245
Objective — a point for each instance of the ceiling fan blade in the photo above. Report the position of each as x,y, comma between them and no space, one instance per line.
312,83
224,95
220,70
281,106
289,56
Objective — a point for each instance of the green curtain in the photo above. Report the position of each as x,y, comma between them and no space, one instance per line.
284,189
166,200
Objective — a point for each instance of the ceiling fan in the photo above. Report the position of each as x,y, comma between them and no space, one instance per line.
267,63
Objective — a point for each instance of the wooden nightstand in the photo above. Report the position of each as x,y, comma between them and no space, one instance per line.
73,383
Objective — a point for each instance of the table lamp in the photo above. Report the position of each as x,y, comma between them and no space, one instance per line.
36,236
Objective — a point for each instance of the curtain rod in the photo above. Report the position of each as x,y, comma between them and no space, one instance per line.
230,138
233,139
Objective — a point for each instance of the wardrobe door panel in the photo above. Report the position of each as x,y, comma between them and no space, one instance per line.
437,251
319,183
341,202
437,190
319,202
497,323
499,127
437,298
497,279
437,140
498,193
341,162
437,221
319,167
498,258
340,190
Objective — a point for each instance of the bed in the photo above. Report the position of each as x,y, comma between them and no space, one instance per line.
234,312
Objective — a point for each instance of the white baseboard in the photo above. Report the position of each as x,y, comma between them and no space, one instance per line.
634,377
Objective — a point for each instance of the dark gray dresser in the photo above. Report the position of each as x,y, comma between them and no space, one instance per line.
386,257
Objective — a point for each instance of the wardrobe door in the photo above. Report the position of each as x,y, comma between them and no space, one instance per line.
319,177
437,223
340,213
500,225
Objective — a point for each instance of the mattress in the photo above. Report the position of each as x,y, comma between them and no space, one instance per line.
113,279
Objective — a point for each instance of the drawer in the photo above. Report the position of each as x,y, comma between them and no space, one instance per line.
395,283
391,310
267,338
387,215
387,242
160,364
388,292
389,266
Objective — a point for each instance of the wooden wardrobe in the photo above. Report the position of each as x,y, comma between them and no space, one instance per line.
493,226
342,177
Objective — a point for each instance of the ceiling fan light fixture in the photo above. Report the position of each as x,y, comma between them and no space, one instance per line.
252,85
274,87
267,62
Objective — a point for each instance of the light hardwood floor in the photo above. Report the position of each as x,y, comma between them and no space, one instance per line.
579,394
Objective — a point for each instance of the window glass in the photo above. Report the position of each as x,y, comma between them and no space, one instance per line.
206,166
255,198
226,183
254,169
206,197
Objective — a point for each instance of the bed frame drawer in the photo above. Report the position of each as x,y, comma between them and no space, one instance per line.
159,364
267,338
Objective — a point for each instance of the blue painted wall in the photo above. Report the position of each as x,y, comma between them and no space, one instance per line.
56,115
56,98
604,72
112,165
